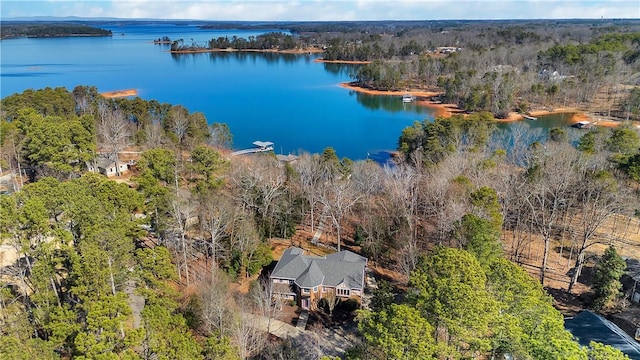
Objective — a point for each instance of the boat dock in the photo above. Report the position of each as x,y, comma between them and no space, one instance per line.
407,98
583,124
261,146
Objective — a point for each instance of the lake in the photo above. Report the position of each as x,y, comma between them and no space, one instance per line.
290,100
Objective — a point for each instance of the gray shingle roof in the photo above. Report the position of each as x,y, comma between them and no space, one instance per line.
311,277
588,326
346,256
344,268
291,264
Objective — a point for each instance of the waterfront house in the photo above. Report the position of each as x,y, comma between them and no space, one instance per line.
306,279
108,167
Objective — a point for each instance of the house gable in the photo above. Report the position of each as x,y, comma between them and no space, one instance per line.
343,269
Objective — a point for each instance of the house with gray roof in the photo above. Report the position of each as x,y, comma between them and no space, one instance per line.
107,166
307,279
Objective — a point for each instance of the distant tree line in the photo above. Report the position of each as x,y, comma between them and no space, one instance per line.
268,41
11,30
519,74
494,66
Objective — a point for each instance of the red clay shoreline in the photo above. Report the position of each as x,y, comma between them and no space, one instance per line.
424,98
119,93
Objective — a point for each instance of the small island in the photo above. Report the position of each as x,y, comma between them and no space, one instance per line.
269,42
163,40
44,30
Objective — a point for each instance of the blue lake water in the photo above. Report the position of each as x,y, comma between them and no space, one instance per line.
286,99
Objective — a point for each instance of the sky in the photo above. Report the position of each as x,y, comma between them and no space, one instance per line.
325,10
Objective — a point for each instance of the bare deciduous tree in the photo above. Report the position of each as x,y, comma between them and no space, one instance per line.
216,218
245,240
179,123
599,197
248,336
181,216
552,179
310,170
264,304
402,185
218,306
154,136
114,132
339,198
331,299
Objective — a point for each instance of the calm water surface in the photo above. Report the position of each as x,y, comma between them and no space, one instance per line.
287,99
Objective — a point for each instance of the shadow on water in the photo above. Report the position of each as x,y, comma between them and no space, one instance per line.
546,122
242,57
345,70
389,103
382,157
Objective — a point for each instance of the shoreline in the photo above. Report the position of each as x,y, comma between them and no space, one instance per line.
352,62
119,93
277,51
422,98
448,110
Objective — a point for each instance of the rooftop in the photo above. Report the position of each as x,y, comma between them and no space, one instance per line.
262,144
343,268
588,326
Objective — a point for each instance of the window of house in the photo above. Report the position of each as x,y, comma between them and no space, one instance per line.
342,292
315,289
305,290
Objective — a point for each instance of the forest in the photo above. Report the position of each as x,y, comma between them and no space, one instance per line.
501,67
496,66
13,29
164,263
268,41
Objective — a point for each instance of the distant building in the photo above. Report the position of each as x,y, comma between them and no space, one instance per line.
505,69
307,279
447,49
551,75
290,159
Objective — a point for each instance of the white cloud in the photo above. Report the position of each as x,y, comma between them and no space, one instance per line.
286,10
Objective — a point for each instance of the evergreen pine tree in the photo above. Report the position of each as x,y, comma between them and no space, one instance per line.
606,279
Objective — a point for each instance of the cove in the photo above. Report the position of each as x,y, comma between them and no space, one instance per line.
290,100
